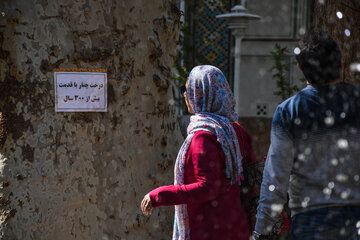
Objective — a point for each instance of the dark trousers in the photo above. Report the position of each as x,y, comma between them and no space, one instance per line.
329,223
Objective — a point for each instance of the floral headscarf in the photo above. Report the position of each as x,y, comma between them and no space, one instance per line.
212,100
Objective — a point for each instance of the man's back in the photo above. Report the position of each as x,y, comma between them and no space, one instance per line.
314,153
324,124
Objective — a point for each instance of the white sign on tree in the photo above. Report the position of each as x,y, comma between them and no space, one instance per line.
80,91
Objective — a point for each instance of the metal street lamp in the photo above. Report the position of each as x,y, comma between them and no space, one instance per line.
238,21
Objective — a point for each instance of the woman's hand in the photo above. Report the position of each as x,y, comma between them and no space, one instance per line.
146,207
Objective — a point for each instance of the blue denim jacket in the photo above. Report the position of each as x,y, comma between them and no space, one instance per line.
314,154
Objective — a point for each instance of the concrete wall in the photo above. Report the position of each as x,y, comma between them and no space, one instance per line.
282,22
83,175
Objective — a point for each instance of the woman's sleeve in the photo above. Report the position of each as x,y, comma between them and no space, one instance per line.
205,158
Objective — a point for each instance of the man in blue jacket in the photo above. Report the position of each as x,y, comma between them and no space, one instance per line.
314,154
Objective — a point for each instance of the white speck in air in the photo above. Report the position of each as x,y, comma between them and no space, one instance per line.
329,121
277,208
341,177
358,224
347,32
342,143
297,51
355,67
171,102
334,162
356,178
297,121
305,203
327,191
268,228
296,165
301,157
342,115
271,188
302,31
339,15
345,195
214,203
331,185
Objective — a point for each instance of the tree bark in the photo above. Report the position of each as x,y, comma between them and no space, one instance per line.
82,175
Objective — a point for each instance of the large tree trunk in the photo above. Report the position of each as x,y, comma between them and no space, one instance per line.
325,17
83,175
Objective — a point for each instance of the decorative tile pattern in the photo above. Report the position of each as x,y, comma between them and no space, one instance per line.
211,34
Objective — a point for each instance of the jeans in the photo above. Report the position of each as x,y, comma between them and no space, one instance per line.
329,223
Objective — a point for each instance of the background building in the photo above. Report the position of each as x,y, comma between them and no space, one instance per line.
282,22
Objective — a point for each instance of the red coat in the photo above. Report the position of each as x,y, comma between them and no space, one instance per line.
214,207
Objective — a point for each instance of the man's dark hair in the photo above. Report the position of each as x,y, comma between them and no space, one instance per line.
319,57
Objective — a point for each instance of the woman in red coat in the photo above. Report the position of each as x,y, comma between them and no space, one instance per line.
209,167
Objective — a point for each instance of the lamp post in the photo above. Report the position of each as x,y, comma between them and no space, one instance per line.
238,21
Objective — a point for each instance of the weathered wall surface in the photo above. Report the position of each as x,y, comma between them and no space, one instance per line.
83,175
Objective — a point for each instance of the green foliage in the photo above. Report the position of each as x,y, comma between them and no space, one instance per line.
184,62
280,72
180,80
